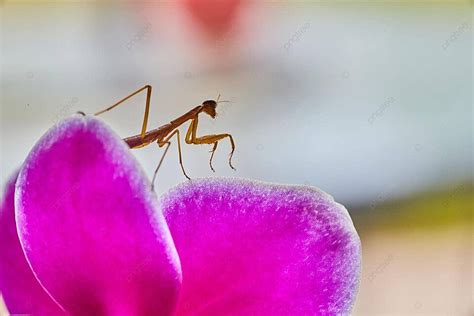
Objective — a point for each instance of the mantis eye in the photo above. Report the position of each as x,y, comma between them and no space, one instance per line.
210,103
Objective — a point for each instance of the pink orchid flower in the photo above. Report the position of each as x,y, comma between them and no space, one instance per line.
83,234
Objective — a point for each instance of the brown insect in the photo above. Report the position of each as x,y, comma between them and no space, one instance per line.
163,134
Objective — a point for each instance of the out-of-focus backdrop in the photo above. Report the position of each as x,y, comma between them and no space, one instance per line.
371,102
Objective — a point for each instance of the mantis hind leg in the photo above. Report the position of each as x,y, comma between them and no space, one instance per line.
147,106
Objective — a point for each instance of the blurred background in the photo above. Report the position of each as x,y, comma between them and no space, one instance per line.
371,102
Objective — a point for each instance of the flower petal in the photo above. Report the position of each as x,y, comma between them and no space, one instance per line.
250,248
21,291
91,227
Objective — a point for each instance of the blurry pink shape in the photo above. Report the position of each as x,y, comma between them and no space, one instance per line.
214,17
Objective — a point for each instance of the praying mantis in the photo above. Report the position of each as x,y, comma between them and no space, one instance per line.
163,134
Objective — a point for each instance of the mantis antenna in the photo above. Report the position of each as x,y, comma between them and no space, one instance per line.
223,101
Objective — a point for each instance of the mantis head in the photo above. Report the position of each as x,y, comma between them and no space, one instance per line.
209,106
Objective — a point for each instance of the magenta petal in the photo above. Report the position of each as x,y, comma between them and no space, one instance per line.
91,227
250,248
21,291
